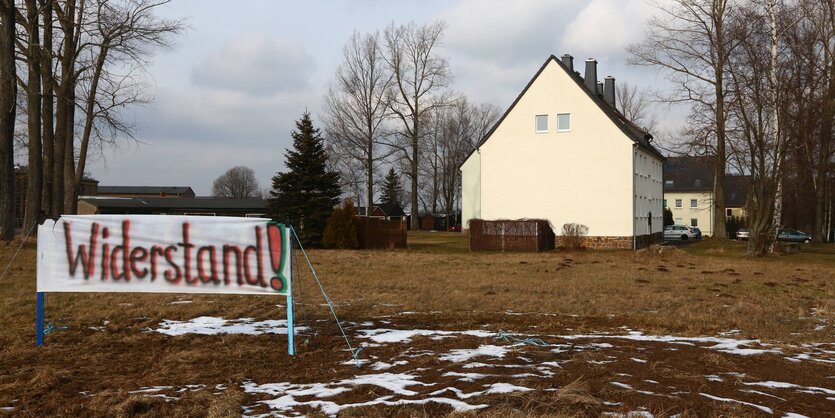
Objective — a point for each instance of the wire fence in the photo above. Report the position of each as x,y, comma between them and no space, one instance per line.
531,235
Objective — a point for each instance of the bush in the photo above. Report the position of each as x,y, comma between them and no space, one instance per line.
574,236
341,229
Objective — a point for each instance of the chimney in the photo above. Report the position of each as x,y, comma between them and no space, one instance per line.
568,62
591,75
609,92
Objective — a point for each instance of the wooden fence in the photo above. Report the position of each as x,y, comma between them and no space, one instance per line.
511,235
374,233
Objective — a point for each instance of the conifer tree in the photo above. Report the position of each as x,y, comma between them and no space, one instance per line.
392,189
306,194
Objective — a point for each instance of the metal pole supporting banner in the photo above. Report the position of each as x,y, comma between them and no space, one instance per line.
39,320
291,329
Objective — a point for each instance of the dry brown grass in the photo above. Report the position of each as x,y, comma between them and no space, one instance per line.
658,291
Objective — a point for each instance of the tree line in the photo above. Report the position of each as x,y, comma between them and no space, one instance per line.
759,77
68,70
390,105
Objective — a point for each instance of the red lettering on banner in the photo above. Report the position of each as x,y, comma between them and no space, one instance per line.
86,256
137,255
229,250
201,271
258,279
156,250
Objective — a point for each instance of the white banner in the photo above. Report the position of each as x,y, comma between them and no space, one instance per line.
167,254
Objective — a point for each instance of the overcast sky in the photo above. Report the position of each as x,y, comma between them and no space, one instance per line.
229,91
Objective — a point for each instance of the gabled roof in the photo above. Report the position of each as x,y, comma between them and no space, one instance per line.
689,174
203,203
695,175
632,131
390,209
155,190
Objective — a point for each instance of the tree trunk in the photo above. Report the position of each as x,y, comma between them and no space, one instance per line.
89,118
34,184
48,113
719,217
70,189
8,93
64,104
415,222
821,234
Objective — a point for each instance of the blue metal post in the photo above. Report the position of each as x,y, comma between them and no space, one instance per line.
39,319
291,329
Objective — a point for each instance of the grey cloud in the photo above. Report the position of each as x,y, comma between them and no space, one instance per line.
257,65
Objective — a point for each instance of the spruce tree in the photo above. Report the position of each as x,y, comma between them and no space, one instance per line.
392,189
306,194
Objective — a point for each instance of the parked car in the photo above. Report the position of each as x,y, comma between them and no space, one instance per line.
697,233
794,235
682,232
742,234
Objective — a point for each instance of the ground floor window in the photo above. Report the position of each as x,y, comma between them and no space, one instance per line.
694,222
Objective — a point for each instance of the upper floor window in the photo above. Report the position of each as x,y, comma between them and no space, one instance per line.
697,183
668,183
563,122
541,123
678,203
693,203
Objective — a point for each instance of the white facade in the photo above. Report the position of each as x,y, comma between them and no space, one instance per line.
692,209
591,173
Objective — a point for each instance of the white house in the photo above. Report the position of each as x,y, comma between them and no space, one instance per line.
563,152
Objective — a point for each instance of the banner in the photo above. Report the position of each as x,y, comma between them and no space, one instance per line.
164,254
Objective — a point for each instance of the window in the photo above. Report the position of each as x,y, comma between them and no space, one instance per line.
694,222
678,221
665,203
541,123
697,183
668,183
563,122
729,212
693,203
678,203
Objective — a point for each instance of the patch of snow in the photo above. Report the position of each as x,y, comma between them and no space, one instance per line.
181,302
621,385
383,335
638,360
725,345
765,409
714,378
651,381
551,363
150,389
793,415
381,365
395,382
467,377
784,385
209,325
506,388
460,355
762,393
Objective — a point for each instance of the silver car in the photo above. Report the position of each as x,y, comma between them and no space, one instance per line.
676,232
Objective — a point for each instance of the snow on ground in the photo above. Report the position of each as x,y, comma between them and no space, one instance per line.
209,325
466,376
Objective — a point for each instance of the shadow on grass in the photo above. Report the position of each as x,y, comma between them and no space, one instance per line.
806,253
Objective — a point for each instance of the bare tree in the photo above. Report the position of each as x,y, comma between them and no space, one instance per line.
420,76
688,40
123,34
237,183
34,184
635,106
8,102
357,105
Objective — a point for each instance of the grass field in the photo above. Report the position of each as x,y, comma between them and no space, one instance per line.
697,331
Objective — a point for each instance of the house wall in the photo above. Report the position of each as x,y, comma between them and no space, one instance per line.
584,175
703,212
649,194
470,190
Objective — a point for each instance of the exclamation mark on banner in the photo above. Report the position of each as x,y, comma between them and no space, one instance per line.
276,256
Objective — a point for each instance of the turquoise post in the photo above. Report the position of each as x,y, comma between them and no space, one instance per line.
291,329
39,320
